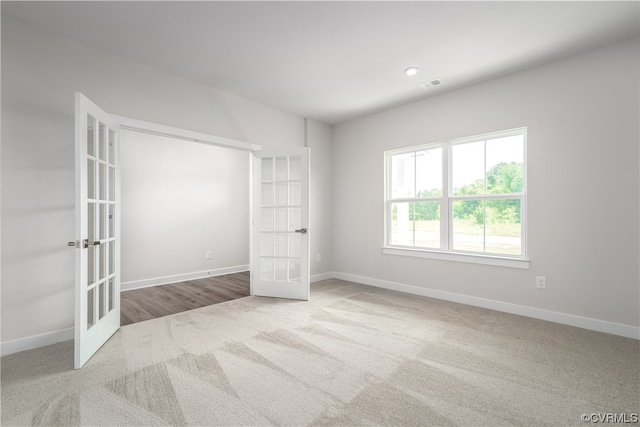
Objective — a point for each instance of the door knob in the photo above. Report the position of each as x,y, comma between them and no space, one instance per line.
84,244
88,243
302,230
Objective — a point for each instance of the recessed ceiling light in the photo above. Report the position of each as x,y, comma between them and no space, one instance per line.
411,71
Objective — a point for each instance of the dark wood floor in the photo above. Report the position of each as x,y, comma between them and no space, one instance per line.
157,301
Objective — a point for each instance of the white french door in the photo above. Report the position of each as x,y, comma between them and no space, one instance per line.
279,236
280,231
97,241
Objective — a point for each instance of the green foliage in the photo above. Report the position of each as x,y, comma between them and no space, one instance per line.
468,210
503,178
425,211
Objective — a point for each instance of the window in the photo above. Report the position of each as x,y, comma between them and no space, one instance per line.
461,197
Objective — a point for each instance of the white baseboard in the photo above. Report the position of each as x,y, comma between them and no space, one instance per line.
41,340
138,284
537,313
28,343
322,276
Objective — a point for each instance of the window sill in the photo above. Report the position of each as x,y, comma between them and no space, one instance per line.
522,263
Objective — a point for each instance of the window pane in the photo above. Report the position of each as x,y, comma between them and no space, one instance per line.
294,270
266,223
294,245
505,165
112,226
112,258
112,184
102,224
401,224
426,216
282,169
112,147
280,244
295,219
476,171
91,179
266,244
280,219
91,265
102,143
102,182
102,299
468,168
102,261
503,227
468,225
295,167
266,269
429,173
280,269
402,176
267,194
281,194
91,141
91,222
112,295
267,169
91,308
295,194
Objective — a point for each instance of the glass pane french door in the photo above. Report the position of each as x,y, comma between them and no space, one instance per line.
280,232
97,229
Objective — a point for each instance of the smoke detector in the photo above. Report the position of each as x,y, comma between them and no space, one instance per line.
431,83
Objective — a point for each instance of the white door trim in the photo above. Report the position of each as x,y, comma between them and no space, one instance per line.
179,133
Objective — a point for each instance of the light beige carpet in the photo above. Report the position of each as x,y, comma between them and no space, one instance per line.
353,355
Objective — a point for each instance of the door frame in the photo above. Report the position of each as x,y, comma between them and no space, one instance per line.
142,126
152,128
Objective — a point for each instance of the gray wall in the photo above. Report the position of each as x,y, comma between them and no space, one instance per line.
583,186
40,73
320,139
179,200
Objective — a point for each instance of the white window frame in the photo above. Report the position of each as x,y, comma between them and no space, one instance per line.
446,207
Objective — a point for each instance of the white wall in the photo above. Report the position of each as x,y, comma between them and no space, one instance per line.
582,118
320,139
40,72
179,200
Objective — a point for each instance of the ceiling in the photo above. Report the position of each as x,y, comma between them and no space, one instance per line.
335,61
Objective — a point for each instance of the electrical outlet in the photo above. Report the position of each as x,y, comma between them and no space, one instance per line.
207,255
318,258
541,282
